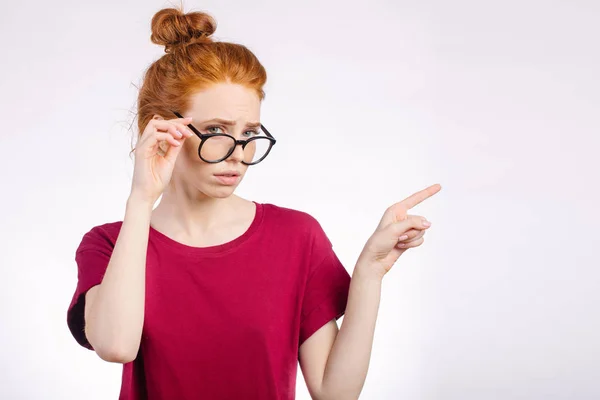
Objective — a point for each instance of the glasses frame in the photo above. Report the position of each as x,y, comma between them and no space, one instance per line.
205,136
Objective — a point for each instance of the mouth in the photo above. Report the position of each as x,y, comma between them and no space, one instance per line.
228,174
228,178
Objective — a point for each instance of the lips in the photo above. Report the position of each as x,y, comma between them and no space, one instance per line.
229,173
228,180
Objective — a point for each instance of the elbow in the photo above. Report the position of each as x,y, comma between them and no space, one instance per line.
116,354
115,351
120,349
116,357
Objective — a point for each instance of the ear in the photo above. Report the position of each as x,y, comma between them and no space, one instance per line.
156,116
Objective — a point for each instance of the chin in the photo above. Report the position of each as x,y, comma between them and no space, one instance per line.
223,193
217,191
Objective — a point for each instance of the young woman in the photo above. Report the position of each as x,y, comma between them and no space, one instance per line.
209,295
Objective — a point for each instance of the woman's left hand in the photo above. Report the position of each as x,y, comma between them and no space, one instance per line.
397,232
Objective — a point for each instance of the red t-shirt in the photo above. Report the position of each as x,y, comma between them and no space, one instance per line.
225,321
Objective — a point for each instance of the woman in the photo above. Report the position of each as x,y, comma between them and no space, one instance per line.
210,295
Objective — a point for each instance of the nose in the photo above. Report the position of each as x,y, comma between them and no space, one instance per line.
238,154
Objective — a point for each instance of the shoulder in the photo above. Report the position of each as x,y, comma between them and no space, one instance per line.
289,216
300,222
101,236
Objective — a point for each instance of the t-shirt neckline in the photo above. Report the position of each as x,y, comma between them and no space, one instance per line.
217,249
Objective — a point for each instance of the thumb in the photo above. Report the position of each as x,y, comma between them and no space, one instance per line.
396,212
410,222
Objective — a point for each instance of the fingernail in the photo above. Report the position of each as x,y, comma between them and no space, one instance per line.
403,237
179,133
426,223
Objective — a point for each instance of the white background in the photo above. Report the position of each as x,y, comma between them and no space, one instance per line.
370,102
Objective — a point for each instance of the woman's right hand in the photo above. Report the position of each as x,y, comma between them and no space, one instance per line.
152,171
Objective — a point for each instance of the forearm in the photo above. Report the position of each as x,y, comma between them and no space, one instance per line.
348,362
116,314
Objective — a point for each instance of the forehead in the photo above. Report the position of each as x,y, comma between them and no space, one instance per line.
227,101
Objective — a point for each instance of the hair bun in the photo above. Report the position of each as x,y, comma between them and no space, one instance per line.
172,28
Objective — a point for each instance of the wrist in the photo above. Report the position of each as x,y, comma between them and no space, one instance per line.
368,271
138,202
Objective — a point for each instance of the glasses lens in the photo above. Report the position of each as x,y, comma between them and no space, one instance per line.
256,149
216,148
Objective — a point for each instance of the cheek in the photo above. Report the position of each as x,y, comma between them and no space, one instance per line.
190,163
190,147
186,159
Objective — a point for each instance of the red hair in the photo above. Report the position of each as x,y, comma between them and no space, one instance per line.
193,61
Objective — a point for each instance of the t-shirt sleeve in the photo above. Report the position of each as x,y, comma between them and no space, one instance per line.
327,287
92,257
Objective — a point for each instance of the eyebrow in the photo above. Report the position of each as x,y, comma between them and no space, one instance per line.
230,123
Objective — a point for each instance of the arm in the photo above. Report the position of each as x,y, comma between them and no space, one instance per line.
114,310
342,357
345,370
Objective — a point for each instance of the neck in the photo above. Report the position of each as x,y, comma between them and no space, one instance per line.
196,215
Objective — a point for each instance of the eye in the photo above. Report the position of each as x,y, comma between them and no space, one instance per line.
213,127
251,133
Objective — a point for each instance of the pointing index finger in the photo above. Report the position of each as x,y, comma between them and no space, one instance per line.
418,197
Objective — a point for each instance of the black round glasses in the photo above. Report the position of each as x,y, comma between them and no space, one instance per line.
216,147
